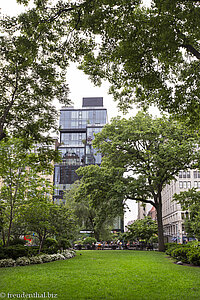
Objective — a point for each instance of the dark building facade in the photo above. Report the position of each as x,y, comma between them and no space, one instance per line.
77,128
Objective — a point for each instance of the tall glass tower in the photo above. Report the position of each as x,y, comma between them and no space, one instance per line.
77,128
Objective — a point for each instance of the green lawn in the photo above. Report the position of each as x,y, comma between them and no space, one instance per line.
110,274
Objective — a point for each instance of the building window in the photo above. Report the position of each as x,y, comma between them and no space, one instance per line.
184,184
189,184
184,174
180,184
196,174
180,174
195,184
188,174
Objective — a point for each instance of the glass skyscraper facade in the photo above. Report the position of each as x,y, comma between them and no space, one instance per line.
77,129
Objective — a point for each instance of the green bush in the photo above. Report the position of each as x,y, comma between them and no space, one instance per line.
15,251
23,261
3,254
50,246
17,242
64,244
181,253
170,247
194,256
89,240
33,250
49,242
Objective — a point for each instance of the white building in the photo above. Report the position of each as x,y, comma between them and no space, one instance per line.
173,215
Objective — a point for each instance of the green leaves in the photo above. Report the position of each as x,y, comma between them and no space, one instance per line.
143,229
155,149
190,201
145,52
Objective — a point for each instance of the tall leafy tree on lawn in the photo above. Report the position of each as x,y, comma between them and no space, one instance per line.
151,152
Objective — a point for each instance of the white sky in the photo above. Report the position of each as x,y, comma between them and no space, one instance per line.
80,86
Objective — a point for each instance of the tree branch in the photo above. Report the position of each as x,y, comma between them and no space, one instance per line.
141,200
192,50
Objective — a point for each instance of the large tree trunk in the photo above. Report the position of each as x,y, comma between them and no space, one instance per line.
161,245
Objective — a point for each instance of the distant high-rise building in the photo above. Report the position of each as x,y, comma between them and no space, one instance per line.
77,128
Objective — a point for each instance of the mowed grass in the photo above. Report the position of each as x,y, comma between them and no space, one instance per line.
105,275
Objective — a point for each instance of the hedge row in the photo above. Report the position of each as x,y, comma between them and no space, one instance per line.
44,258
189,253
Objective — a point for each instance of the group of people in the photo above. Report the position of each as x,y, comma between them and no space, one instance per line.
101,245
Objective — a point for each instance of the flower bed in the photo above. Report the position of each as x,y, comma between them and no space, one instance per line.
44,258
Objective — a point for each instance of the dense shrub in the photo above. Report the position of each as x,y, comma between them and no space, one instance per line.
3,254
170,245
22,261
50,246
89,241
15,251
17,242
188,253
181,253
194,256
33,250
49,242
7,263
64,244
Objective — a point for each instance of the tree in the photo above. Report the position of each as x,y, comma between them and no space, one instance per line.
20,173
150,55
190,201
64,221
143,229
36,47
40,216
151,152
89,197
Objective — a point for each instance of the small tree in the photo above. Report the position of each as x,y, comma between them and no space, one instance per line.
46,219
144,229
19,172
88,201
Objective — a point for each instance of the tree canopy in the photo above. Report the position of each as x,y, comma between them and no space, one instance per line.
94,207
151,152
144,229
150,55
36,47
